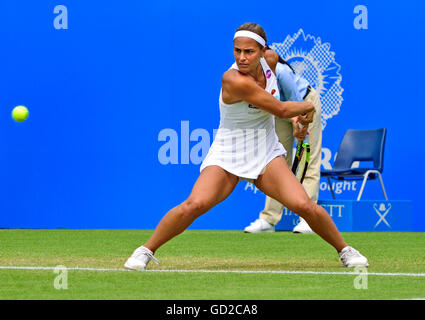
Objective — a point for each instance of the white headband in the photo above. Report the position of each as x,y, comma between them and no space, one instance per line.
249,34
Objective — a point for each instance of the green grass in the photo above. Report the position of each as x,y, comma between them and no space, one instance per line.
207,250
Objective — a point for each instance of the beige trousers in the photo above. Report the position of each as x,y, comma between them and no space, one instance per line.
272,212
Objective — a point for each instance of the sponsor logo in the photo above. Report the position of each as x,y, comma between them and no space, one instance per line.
382,212
268,74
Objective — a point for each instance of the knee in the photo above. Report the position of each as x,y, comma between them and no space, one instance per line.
193,207
306,208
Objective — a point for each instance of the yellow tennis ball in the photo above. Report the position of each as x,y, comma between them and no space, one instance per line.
20,113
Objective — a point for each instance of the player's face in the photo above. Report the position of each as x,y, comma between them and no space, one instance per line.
247,54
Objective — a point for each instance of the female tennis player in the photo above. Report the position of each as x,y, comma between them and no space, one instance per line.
246,147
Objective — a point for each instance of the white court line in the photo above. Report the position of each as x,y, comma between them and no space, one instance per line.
383,274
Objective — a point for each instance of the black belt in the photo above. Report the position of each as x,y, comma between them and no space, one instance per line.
307,92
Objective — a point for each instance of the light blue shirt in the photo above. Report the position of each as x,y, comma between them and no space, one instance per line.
292,87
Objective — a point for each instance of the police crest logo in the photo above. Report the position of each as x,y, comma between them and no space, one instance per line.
314,61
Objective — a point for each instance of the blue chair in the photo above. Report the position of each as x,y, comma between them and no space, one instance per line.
359,145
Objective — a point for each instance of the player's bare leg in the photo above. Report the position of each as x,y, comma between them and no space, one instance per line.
213,186
279,183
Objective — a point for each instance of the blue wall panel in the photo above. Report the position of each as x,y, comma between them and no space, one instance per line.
101,92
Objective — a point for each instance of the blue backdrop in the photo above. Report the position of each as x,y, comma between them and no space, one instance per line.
123,101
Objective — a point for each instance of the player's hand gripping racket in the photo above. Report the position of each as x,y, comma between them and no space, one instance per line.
301,160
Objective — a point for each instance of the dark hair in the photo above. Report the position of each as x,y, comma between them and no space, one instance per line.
256,28
281,60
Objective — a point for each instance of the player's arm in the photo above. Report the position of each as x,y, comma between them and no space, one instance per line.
239,87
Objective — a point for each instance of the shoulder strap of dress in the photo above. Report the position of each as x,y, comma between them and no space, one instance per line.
267,72
265,66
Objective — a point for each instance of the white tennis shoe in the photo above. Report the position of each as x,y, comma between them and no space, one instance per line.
302,227
258,226
350,257
140,259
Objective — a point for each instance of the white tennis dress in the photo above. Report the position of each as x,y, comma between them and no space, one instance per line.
245,141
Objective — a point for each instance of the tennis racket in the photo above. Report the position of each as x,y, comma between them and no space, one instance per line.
301,160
